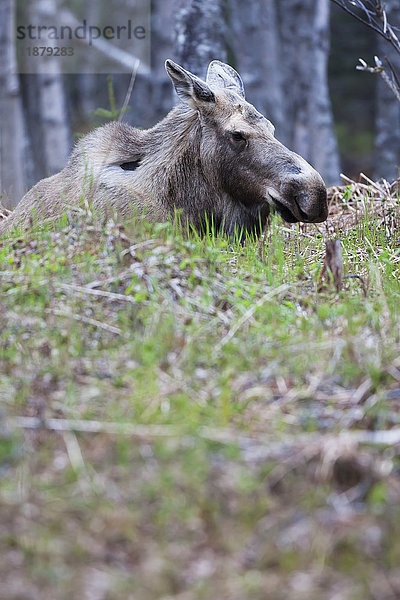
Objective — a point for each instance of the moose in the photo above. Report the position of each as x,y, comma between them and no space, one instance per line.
213,158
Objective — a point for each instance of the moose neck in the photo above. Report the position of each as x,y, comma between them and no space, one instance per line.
175,142
179,129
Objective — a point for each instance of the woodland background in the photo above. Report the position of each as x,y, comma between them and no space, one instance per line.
297,60
186,417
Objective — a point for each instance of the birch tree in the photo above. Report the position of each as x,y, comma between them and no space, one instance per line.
199,33
304,31
12,172
254,42
49,128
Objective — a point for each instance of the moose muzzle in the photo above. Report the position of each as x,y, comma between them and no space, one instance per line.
301,197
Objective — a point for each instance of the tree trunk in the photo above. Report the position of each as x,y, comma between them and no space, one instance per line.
255,49
12,174
324,151
49,129
304,30
199,34
387,117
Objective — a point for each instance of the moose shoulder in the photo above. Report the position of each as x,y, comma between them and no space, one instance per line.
214,157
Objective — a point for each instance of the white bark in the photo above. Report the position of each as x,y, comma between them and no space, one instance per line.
12,173
324,151
55,137
304,29
199,34
254,40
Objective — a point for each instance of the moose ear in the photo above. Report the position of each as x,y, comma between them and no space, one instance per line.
190,89
221,75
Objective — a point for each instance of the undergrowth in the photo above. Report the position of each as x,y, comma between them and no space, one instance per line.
184,417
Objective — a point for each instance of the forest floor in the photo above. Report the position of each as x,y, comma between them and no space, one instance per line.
183,419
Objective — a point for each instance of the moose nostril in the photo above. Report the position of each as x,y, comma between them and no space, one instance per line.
293,192
290,189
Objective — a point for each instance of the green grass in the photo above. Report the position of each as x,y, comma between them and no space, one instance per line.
222,389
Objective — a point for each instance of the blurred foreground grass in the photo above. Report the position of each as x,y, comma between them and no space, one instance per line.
185,419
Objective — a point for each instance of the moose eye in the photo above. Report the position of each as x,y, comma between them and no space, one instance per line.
130,166
237,136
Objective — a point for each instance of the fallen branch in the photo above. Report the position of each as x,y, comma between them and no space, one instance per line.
93,292
389,437
84,426
61,313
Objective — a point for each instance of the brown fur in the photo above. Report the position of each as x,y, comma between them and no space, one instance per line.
213,156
